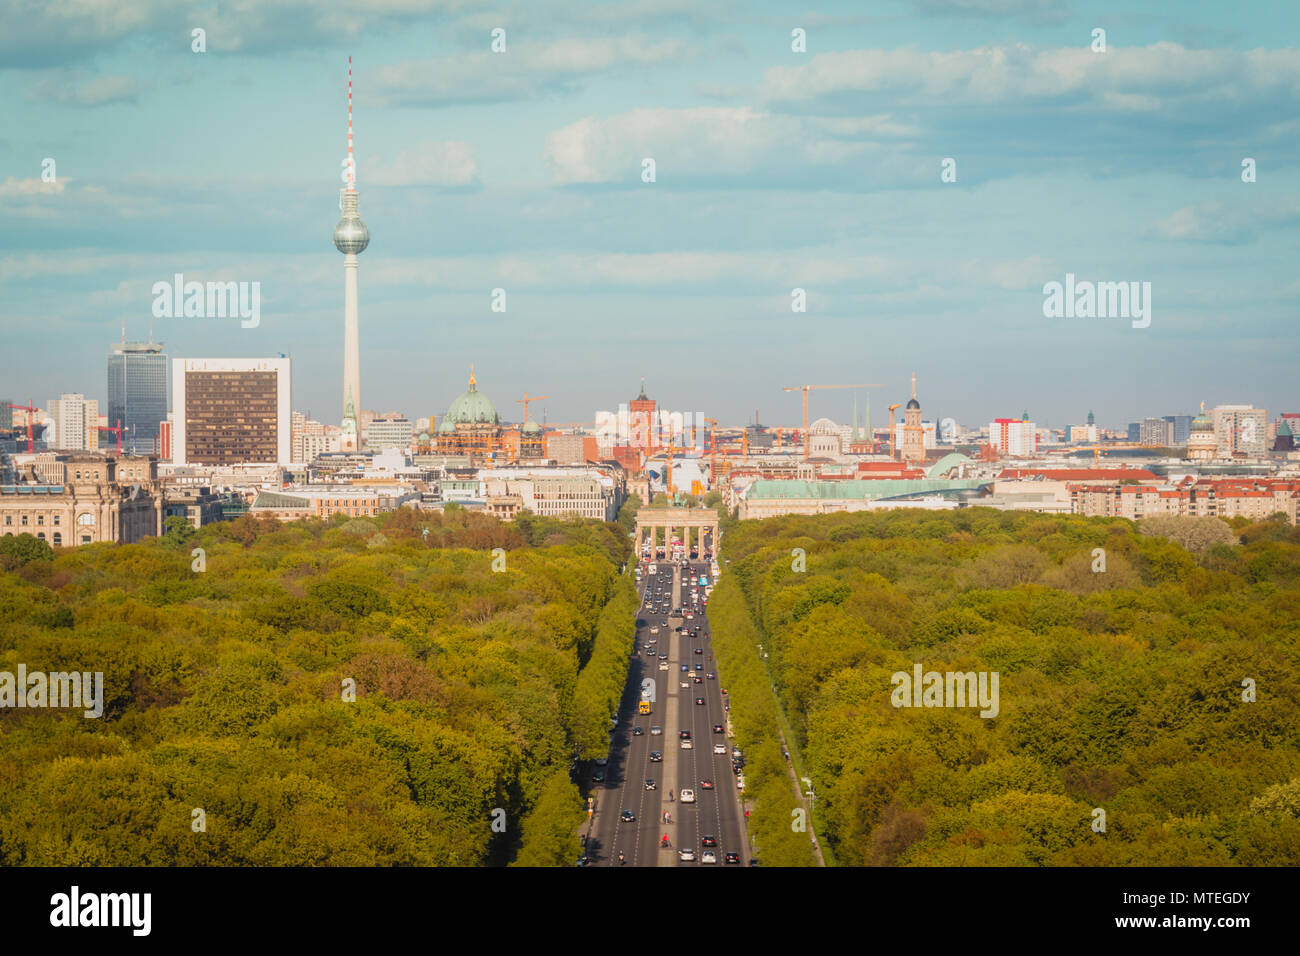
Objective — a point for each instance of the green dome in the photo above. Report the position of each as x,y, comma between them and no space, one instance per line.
447,427
471,408
531,427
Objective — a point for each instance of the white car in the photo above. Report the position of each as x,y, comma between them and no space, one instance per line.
686,856
663,665
720,749
684,684
656,731
708,856
740,782
686,796
686,745
654,630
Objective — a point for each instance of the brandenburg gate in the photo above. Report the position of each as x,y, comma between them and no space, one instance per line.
703,520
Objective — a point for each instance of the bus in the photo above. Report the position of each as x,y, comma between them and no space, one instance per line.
643,707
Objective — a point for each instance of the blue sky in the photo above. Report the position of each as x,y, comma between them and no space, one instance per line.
775,170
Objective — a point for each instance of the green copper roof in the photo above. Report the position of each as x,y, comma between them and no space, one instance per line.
471,407
857,490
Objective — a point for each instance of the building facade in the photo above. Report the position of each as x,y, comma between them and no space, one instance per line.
231,411
76,423
137,395
92,498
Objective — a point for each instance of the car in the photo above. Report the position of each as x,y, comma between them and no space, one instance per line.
708,856
731,858
663,657
656,756
663,665
696,678
585,861
708,840
684,684
601,761
719,729
740,782
686,796
720,749
709,675
637,732
699,701
684,734
699,650
736,754
699,667
686,856
654,630
598,777
627,816
656,731
706,784
650,785
687,745
735,768
686,667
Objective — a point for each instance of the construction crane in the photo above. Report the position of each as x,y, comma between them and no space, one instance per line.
1098,449
713,449
805,389
892,408
31,410
117,429
528,400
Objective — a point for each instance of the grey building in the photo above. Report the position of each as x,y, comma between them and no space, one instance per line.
137,394
1182,427
1156,431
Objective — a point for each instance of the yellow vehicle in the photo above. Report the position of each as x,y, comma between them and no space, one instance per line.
643,707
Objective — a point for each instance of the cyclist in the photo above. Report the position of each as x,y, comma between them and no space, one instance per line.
620,857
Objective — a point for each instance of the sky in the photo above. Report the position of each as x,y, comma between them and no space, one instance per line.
775,169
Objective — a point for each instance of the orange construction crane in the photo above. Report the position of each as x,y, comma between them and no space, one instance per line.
805,389
117,429
528,400
892,408
31,410
1098,449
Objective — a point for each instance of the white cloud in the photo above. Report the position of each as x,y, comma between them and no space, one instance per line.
426,164
523,72
14,188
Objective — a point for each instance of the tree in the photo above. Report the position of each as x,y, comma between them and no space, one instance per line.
18,550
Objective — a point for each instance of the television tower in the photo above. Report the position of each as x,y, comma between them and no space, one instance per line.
350,238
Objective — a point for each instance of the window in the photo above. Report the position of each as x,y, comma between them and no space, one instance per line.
9,519
56,520
40,519
85,539
24,519
58,540
41,535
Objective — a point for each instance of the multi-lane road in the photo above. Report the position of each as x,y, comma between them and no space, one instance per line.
634,783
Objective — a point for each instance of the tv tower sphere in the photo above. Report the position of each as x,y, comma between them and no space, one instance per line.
351,235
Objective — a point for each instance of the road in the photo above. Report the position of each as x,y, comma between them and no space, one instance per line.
716,812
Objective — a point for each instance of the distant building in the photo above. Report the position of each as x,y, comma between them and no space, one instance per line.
137,394
1015,437
1156,431
84,498
231,411
1182,428
1083,433
76,423
1201,443
1240,431
390,433
913,433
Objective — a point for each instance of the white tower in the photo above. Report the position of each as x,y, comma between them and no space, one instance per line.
350,238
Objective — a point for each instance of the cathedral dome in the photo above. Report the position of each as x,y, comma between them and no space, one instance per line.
472,407
531,427
913,404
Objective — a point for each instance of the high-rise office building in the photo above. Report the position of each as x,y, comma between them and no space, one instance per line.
1182,427
76,423
1157,431
1013,436
231,411
137,394
1240,430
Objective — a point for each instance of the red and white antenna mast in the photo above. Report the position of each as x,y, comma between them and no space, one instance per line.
352,164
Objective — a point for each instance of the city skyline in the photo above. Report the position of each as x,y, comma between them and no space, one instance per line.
775,170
